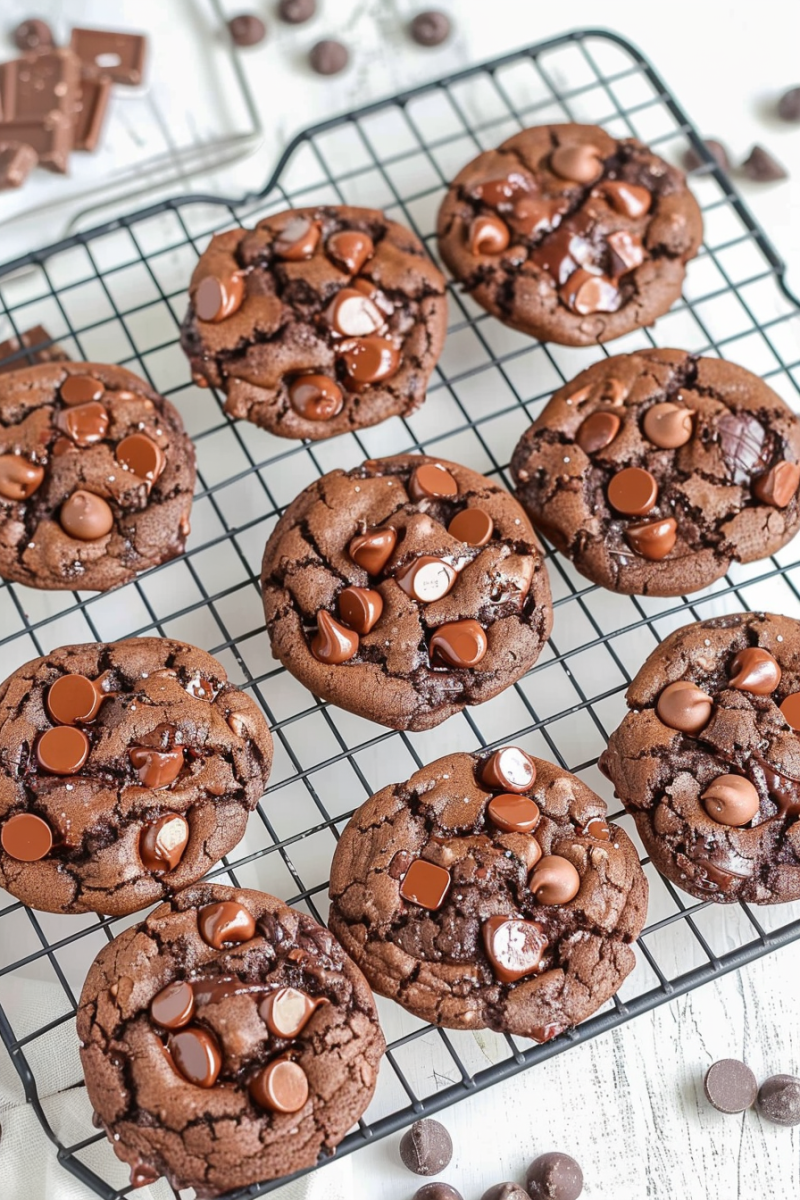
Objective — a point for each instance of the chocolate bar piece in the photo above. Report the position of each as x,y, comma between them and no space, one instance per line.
16,163
103,52
91,107
34,341
50,137
37,84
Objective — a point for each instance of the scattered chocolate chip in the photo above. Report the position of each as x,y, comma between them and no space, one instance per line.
431,480
296,12
328,57
473,526
156,768
762,167
437,1191
667,425
33,34
173,1007
360,608
790,707
427,579
139,454
579,162
597,431
247,29
513,814
779,1100
74,698
633,491
509,769
653,540
81,389
488,235
505,1191
350,248
778,485
426,1148
287,1011
554,1176
789,105
459,643
297,240
368,360
371,551
692,159
430,28
162,842
730,1086
316,397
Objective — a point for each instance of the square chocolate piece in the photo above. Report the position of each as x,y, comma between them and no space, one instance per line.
38,84
50,137
17,160
103,52
34,341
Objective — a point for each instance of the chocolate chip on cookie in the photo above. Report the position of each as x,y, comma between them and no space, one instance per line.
317,322
404,589
655,471
128,771
708,760
198,1042
570,235
475,908
96,477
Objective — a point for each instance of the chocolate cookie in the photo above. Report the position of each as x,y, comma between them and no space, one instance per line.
708,759
570,235
317,322
96,477
226,1040
489,890
126,771
404,589
655,471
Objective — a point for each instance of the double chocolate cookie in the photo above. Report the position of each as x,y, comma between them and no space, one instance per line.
96,477
226,1040
489,890
569,234
317,322
126,771
404,589
655,471
708,759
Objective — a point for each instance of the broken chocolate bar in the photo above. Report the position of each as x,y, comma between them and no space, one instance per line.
103,52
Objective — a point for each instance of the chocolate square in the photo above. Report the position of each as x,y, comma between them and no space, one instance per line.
103,52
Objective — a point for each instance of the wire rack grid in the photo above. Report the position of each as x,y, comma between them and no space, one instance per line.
118,292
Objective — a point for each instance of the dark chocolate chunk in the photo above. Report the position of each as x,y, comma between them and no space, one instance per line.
554,1176
789,105
430,28
692,158
297,11
328,57
779,1100
730,1086
762,167
247,29
426,1148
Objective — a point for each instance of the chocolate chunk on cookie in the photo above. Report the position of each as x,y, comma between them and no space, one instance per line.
225,1040
404,589
570,235
474,906
127,771
708,759
655,471
96,477
317,322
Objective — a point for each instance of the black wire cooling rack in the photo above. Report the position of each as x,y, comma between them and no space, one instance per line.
117,293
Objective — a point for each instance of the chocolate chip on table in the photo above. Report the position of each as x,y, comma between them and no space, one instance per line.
730,1086
426,1148
554,1176
328,57
692,159
295,12
761,167
33,34
778,1100
247,29
505,1191
437,1191
789,105
430,28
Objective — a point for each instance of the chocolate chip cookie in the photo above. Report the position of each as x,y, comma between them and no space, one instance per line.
317,322
655,471
404,589
569,234
225,1040
489,890
96,477
708,759
126,771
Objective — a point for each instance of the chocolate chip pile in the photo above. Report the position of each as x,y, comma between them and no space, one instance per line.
55,99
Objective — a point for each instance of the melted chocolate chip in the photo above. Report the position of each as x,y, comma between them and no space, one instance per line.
282,1086
139,454
81,389
287,1011
156,768
19,479
162,843
225,921
473,526
431,480
633,491
513,946
684,706
316,397
653,540
368,360
74,698
371,551
360,608
333,643
63,750
755,670
509,769
460,644
778,485
488,235
425,884
513,813
26,837
217,299
173,1007
297,240
196,1055
350,249
598,431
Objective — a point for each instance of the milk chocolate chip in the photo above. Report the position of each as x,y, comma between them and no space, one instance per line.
425,884
731,800
653,540
371,551
86,516
513,946
683,706
627,198
26,837
554,880
509,769
173,1007
369,360
577,162
297,240
85,424
139,454
163,841
427,579
668,425
316,397
352,314
216,299
287,1011
350,249
74,698
586,293
633,492
157,768
225,921
19,479
332,643
473,526
778,485
755,670
431,480
282,1086
790,707
488,235
459,643
513,813
196,1056
597,431
81,389
360,608
63,750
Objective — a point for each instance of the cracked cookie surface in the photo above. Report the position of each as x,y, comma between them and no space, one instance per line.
404,589
472,904
96,477
655,471
317,322
127,770
226,1039
570,235
708,759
